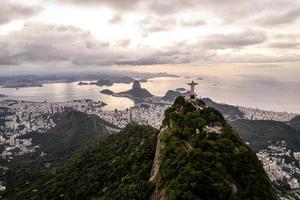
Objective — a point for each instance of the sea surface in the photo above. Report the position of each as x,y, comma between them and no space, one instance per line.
268,87
58,92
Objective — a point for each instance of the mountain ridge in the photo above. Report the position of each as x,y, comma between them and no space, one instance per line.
179,147
261,133
195,155
295,123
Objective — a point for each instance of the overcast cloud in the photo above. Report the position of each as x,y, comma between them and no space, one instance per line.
120,5
11,10
100,33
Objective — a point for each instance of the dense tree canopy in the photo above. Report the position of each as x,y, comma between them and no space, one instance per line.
199,164
199,157
115,168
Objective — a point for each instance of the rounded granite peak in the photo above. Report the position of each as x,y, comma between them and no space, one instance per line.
136,85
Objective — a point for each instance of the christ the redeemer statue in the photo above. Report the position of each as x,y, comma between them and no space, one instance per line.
193,94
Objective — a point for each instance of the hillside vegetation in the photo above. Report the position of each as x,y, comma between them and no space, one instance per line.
73,131
295,123
195,155
231,112
115,168
261,133
201,157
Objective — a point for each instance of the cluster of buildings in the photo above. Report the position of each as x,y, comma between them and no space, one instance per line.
18,118
148,114
282,166
257,114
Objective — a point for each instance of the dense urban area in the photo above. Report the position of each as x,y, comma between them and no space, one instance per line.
18,118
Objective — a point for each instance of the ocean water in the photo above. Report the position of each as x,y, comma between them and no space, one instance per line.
58,92
268,87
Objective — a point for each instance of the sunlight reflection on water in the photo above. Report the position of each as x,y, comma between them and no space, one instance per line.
270,88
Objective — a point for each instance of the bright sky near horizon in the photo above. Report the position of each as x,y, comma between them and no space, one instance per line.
77,35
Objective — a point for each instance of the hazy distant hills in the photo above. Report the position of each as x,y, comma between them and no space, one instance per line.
261,133
171,95
230,112
136,91
196,155
104,78
109,81
295,123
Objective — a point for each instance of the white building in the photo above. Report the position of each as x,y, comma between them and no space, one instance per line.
294,184
297,155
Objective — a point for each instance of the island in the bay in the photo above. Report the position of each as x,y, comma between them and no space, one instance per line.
140,94
103,79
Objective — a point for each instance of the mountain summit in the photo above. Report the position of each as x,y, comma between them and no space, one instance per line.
136,85
194,155
137,92
199,156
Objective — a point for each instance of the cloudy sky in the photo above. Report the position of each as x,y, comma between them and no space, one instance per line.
54,35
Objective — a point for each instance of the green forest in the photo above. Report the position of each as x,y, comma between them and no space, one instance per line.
197,164
115,168
199,156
